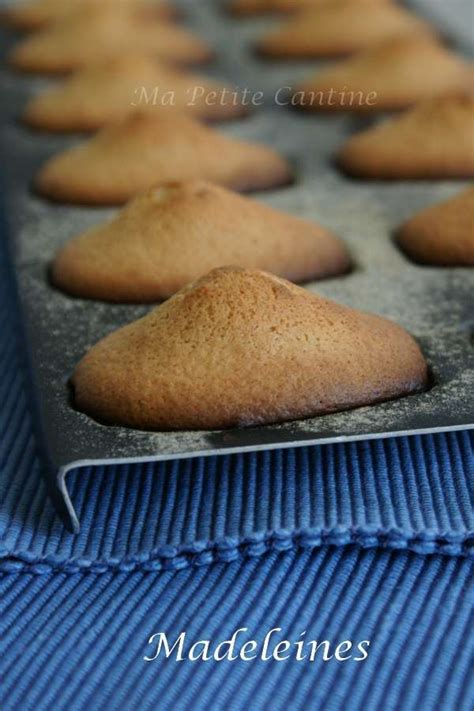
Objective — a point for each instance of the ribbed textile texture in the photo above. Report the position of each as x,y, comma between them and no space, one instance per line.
411,493
78,641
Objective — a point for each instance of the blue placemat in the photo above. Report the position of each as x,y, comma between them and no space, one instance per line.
77,641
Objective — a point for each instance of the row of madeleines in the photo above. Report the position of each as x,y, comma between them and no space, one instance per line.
236,345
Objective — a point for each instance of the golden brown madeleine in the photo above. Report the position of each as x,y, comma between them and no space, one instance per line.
31,15
108,91
260,7
149,149
443,234
243,347
342,27
170,236
81,39
395,75
432,140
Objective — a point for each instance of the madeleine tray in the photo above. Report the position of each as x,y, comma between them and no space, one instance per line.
435,305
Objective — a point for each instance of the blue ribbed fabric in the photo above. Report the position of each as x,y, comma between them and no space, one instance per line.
410,493
78,641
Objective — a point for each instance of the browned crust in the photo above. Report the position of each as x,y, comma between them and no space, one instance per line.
109,169
35,15
239,348
339,29
108,92
432,141
168,237
242,8
390,77
60,48
443,234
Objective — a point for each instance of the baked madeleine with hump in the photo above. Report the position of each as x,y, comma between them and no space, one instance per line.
242,347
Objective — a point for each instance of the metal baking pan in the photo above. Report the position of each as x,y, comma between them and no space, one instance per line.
435,305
